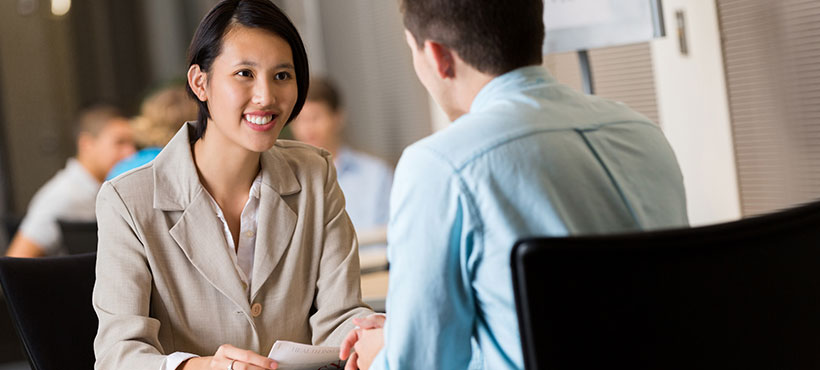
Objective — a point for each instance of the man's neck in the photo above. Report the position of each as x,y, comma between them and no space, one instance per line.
465,89
88,165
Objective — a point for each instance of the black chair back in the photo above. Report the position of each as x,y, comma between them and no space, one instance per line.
50,304
11,350
11,224
740,295
79,236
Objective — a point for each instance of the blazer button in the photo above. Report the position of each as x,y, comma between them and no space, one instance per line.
256,309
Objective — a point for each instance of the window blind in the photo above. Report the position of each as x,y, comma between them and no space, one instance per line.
771,51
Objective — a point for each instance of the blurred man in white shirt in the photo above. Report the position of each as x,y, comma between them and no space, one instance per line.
103,138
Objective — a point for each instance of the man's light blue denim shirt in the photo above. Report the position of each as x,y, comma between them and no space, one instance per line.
531,158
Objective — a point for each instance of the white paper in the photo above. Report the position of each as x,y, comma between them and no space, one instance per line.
297,356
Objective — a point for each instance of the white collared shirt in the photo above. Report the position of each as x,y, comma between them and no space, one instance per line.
241,255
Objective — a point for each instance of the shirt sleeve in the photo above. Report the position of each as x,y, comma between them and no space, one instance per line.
338,296
431,248
173,360
40,224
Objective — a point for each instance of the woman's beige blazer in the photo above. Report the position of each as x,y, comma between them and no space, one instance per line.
166,282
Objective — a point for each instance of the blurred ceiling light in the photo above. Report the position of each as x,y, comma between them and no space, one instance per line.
60,7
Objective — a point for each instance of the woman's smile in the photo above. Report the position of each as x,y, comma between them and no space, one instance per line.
260,120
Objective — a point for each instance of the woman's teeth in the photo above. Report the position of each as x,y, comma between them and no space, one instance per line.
258,120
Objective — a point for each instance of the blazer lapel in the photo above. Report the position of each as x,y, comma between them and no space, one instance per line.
200,235
275,219
198,232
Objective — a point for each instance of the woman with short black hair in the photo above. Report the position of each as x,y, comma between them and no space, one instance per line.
230,239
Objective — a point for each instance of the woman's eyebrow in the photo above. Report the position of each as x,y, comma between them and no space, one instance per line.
254,64
246,63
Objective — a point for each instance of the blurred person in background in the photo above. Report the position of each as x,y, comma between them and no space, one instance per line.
104,137
365,180
161,115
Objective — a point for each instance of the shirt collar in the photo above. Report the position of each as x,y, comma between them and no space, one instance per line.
255,188
515,80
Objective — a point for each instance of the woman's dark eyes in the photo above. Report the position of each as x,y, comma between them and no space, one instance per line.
282,76
277,76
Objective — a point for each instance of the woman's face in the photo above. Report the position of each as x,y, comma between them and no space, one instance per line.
250,90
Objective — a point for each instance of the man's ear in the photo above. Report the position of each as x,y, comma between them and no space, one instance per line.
197,79
441,58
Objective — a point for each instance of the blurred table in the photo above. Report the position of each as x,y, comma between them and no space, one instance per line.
374,289
373,263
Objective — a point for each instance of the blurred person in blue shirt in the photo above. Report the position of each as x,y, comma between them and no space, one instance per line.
161,115
525,156
365,180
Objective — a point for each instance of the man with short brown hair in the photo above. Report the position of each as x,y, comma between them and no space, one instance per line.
525,156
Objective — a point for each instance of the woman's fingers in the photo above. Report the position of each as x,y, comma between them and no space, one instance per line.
245,360
351,363
373,321
348,343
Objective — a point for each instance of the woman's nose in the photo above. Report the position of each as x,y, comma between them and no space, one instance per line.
263,93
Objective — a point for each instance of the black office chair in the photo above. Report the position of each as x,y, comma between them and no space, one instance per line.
50,303
79,237
11,350
11,224
739,295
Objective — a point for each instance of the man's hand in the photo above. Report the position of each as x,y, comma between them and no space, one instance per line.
374,321
370,343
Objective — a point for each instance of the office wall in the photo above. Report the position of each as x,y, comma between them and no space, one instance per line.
693,107
5,181
772,49
38,101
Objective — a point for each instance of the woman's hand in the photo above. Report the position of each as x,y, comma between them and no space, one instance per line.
228,355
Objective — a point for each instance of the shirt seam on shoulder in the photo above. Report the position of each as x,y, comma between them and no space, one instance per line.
515,136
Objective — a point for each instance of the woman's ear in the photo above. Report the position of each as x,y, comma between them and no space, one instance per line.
441,58
197,80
